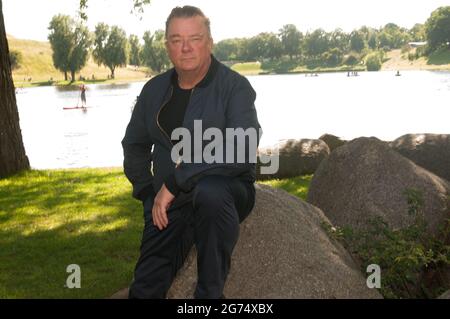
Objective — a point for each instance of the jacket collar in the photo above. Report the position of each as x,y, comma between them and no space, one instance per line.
208,77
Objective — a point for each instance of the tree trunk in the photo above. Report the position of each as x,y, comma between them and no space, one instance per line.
12,153
72,74
112,73
65,75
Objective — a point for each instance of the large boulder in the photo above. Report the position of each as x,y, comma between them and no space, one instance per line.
332,141
431,151
283,252
445,295
296,157
366,178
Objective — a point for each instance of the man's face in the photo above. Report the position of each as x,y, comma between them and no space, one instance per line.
188,43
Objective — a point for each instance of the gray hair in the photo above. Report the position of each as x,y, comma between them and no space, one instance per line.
188,12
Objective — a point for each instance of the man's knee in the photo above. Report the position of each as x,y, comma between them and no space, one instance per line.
212,192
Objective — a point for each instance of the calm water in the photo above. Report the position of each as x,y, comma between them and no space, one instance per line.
289,106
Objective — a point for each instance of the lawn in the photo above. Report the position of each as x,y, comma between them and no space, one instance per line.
50,219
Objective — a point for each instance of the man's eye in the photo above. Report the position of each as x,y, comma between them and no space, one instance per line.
176,41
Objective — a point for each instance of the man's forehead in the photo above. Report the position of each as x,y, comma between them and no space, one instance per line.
187,26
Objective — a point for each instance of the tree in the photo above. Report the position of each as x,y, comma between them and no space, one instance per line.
339,39
60,38
154,53
12,152
15,57
438,28
228,49
81,43
316,43
393,37
291,40
110,47
357,42
373,42
135,50
418,33
70,42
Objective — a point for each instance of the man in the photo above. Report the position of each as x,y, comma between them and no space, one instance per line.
187,202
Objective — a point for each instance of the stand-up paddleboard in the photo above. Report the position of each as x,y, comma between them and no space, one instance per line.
77,108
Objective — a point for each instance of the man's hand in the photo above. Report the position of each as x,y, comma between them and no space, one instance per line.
159,211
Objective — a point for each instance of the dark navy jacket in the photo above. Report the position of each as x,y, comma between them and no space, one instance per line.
224,99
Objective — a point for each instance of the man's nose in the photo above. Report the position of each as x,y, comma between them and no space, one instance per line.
186,46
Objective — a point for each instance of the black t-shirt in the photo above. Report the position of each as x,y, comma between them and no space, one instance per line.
172,114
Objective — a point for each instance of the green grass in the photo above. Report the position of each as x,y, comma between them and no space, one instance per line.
50,219
440,57
297,186
247,68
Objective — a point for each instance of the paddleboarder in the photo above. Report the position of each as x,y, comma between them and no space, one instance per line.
83,96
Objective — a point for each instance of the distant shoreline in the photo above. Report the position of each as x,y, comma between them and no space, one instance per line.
22,85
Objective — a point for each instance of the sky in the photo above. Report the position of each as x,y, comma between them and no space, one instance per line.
29,19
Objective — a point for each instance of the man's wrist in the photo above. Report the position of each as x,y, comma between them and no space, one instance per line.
171,185
146,193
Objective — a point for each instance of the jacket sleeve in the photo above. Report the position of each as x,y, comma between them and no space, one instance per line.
240,113
137,154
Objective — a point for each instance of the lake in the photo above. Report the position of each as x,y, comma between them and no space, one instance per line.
296,106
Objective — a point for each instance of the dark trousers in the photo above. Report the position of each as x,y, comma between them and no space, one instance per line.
211,222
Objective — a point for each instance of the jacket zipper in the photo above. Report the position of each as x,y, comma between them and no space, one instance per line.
157,117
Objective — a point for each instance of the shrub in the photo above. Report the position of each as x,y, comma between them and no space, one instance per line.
373,62
408,256
15,57
351,59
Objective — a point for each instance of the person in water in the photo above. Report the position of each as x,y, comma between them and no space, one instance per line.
83,95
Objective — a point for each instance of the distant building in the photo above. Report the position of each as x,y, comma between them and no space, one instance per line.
417,44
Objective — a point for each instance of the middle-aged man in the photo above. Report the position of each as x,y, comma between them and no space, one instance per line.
185,201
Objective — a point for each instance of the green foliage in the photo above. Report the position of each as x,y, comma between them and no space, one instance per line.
264,46
15,58
438,28
135,50
439,57
110,47
357,41
70,42
374,61
404,255
291,40
393,37
316,43
352,59
154,53
418,33
138,8
373,41
282,65
339,39
333,57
